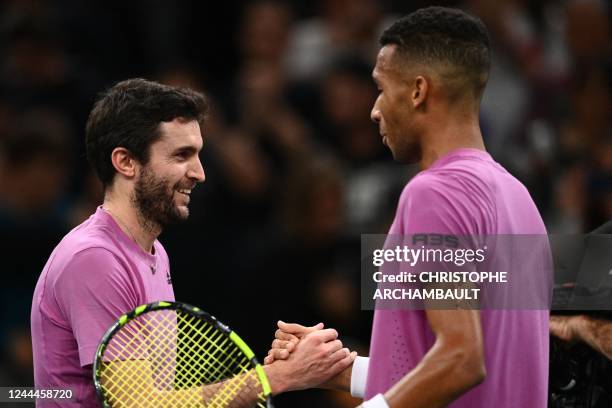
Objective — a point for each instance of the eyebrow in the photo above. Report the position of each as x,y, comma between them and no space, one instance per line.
186,149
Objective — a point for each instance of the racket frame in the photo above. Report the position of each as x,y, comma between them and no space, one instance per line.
192,310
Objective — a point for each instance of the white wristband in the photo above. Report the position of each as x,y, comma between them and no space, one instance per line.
378,401
359,376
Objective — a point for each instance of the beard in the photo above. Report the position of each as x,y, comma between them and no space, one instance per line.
153,198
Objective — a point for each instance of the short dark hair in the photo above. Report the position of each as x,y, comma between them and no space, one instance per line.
447,36
129,114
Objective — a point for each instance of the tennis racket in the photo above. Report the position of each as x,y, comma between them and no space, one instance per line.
170,354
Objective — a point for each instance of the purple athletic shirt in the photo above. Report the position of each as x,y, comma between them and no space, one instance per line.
94,275
467,192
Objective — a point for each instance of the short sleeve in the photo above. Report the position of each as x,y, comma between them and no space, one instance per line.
93,291
433,206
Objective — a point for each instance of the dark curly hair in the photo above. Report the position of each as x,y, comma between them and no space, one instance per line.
446,36
129,114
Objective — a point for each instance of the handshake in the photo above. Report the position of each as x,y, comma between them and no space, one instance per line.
307,357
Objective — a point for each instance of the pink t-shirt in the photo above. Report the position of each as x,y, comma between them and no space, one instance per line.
94,275
467,192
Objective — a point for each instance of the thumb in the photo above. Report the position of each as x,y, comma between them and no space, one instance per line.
317,326
298,329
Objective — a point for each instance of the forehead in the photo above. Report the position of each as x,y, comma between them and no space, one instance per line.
384,62
180,133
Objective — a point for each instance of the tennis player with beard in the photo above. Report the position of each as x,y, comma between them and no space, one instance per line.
143,140
431,72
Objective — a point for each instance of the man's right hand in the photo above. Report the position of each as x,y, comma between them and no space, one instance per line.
286,339
317,357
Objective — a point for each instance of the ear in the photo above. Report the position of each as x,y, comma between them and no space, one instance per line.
123,162
419,91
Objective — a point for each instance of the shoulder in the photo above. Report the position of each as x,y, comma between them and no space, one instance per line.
430,188
469,175
93,233
95,254
426,182
94,244
447,201
89,265
91,276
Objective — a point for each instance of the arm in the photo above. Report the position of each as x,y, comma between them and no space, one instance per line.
351,379
124,388
341,381
597,333
318,357
453,365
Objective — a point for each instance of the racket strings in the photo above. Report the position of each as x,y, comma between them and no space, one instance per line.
169,358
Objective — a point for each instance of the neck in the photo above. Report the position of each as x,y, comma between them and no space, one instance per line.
447,135
131,222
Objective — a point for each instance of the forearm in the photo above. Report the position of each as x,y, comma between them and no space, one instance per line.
445,373
241,391
597,333
339,382
152,396
279,380
352,379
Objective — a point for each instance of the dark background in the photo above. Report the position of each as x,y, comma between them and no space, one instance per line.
295,169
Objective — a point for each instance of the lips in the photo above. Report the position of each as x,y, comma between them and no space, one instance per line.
185,193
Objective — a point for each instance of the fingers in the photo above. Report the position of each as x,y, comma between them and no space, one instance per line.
338,355
333,346
554,325
280,350
344,362
283,344
281,335
298,329
317,326
292,328
288,336
276,354
324,335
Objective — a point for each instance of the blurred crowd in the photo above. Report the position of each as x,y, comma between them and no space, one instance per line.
295,169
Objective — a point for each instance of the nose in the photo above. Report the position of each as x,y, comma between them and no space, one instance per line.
197,171
375,114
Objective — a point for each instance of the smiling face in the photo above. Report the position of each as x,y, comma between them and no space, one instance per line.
163,187
394,110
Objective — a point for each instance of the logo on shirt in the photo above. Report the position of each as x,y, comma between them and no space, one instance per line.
168,279
435,239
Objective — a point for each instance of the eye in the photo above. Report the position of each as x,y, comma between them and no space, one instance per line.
182,155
